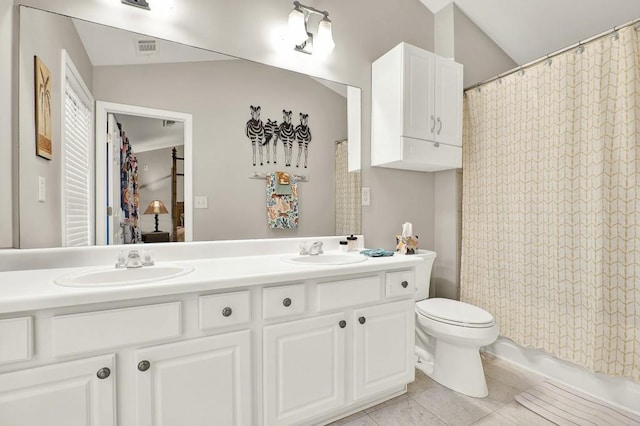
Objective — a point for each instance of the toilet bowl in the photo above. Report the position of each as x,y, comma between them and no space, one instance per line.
449,335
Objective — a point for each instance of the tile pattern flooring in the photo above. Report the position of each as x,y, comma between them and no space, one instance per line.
429,403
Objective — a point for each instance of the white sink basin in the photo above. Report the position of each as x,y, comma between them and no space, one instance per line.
105,277
325,259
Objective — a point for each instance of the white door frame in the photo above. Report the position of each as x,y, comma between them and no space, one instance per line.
102,109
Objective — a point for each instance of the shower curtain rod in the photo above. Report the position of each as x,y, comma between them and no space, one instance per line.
556,53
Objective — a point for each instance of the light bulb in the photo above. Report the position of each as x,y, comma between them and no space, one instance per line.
296,32
323,43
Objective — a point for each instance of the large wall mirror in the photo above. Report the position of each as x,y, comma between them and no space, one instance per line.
139,98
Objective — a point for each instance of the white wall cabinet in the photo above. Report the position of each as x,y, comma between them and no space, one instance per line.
196,381
416,110
76,393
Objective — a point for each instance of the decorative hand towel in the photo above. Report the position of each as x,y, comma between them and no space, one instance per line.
283,183
282,210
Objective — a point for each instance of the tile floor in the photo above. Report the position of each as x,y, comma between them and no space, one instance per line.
429,403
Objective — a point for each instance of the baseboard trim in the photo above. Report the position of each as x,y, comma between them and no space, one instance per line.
618,391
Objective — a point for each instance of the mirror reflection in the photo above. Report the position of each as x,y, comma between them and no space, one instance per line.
294,127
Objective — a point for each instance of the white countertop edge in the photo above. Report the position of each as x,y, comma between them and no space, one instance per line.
23,291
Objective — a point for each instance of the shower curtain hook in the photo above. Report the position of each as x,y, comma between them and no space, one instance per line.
548,61
580,48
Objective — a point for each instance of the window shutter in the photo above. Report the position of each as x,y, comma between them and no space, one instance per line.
77,170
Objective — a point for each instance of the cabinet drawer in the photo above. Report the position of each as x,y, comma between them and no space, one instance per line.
401,283
283,301
16,339
92,331
222,310
430,156
338,294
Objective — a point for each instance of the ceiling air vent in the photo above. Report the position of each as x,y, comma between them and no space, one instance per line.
146,47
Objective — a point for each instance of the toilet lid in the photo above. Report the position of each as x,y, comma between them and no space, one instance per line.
453,311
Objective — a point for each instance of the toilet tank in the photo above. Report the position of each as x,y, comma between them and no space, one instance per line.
423,273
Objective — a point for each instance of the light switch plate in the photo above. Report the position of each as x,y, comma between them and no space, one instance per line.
366,196
42,189
200,202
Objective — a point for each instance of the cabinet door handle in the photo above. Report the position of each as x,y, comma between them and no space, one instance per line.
433,123
144,365
404,284
440,126
342,324
103,373
286,302
362,320
226,312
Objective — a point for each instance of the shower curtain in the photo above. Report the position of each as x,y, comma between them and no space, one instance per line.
348,206
551,204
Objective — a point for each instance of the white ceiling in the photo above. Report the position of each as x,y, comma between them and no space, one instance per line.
530,29
147,134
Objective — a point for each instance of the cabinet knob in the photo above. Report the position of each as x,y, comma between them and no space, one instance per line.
362,320
286,302
226,312
103,373
342,324
404,284
144,365
436,144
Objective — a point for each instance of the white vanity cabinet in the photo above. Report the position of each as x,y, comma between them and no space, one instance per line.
304,368
416,110
195,381
333,361
75,393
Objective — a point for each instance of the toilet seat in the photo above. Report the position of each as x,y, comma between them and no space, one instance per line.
455,313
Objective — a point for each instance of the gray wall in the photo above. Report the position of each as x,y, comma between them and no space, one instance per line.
363,31
40,224
458,37
218,95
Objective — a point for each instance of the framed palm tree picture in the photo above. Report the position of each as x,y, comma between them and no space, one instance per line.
43,109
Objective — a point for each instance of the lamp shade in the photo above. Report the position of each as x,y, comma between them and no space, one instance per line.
323,43
156,207
297,32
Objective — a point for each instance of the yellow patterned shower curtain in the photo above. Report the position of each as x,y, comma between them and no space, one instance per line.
551,204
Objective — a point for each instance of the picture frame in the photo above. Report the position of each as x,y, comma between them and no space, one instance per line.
43,102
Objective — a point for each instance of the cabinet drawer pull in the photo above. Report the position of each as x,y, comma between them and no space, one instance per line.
103,373
404,284
144,365
226,312
286,302
342,324
362,320
433,123
440,127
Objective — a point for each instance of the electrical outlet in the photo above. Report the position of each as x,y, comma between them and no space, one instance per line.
200,202
366,196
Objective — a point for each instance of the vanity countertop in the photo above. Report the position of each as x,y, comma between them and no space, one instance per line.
27,290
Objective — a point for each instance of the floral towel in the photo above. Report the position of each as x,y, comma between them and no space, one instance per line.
282,210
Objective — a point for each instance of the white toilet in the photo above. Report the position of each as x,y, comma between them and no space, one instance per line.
449,335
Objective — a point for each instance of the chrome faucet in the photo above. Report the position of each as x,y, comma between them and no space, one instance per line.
313,250
134,260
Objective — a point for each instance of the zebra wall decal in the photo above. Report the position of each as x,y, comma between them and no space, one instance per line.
287,134
271,131
255,132
303,136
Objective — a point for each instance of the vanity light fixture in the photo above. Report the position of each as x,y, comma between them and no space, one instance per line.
302,38
137,3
